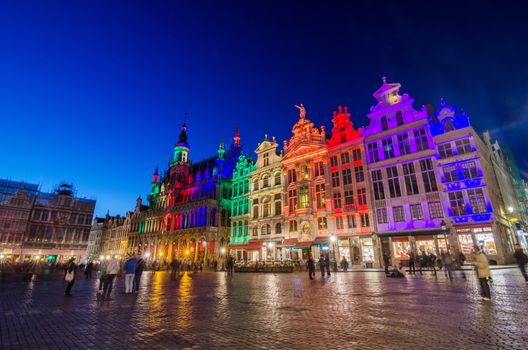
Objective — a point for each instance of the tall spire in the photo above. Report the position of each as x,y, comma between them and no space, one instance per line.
236,138
183,134
155,175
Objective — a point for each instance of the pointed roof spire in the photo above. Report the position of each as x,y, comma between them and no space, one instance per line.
236,138
156,171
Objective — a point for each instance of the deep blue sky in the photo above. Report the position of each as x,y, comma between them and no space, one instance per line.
94,92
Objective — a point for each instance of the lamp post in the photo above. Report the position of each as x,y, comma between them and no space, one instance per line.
443,227
333,240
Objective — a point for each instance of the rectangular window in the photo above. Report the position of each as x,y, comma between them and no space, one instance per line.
377,182
388,150
347,176
362,196
351,221
337,200
339,223
372,149
293,226
322,223
303,197
381,214
469,170
333,161
349,197
265,210
356,154
319,169
394,182
463,146
450,173
398,214
420,137
345,158
403,144
320,196
456,201
360,175
265,182
292,176
266,159
365,220
428,175
304,172
477,201
335,179
435,210
278,208
411,184
292,200
399,118
445,151
416,211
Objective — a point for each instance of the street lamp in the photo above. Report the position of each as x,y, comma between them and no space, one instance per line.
443,227
510,209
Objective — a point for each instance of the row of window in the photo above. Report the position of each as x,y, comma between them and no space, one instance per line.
462,146
403,142
467,170
345,157
398,213
409,178
71,218
346,176
266,181
266,230
266,209
385,123
322,222
476,199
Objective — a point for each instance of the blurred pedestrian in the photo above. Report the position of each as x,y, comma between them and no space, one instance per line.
447,262
69,276
322,265
412,263
483,273
101,277
521,259
88,270
174,265
327,264
386,262
139,271
130,272
344,264
112,269
230,265
311,267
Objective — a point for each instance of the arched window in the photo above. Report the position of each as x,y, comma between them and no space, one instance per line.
277,179
255,231
448,125
278,228
255,185
384,124
265,181
240,228
255,212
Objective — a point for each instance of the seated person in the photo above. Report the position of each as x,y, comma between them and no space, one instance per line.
397,271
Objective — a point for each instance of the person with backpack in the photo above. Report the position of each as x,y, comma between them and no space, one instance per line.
483,273
521,259
69,276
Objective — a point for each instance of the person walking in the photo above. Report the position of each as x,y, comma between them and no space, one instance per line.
69,276
101,277
344,264
130,272
88,270
112,269
322,265
521,259
230,265
483,273
311,267
327,264
412,263
386,262
431,259
139,271
174,265
447,262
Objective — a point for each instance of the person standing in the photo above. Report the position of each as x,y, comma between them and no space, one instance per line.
311,267
322,265
112,269
386,262
447,262
88,270
101,277
344,264
412,263
69,276
130,272
521,259
327,264
139,271
483,273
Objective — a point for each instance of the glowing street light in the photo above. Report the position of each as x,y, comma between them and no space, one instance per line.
108,257
147,255
37,257
101,257
223,250
510,209
2,256
333,238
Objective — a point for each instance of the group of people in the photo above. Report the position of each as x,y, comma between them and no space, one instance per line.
324,265
108,270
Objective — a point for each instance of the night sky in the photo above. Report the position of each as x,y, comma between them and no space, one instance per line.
94,92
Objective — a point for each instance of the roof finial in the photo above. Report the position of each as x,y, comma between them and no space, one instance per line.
384,79
302,110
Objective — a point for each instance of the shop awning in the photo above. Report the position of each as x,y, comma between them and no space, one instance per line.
321,240
412,233
463,227
238,246
307,244
254,245
288,242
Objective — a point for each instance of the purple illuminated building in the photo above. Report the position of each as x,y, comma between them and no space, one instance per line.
475,207
405,189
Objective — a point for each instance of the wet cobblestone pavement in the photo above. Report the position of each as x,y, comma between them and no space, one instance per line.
266,311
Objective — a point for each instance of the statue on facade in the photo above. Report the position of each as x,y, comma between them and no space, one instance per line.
302,110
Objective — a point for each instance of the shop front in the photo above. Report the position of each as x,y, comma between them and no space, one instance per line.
399,245
482,237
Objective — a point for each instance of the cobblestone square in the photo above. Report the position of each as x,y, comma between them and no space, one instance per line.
360,310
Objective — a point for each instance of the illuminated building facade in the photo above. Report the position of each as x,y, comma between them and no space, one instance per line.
349,194
189,207
406,192
306,208
240,207
473,197
267,221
